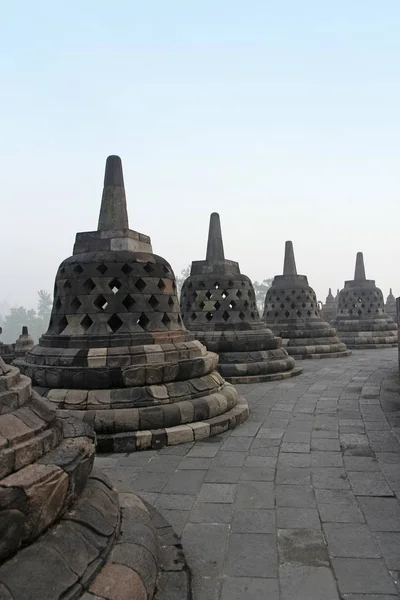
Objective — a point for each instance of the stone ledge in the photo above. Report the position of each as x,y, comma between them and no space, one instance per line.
131,441
261,378
323,355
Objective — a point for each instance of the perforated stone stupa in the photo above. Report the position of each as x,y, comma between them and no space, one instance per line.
390,306
361,320
62,530
116,352
330,307
291,310
218,305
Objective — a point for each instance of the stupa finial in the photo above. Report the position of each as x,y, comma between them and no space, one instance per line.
359,273
113,211
289,264
215,245
390,292
330,292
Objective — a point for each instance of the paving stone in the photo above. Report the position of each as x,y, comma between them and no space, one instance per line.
195,463
369,484
361,463
339,513
292,475
261,461
389,543
257,474
209,512
307,583
293,518
254,494
348,539
253,521
222,475
205,588
381,514
205,545
295,496
295,447
362,575
229,459
293,459
324,434
329,478
176,518
237,444
251,555
330,445
217,492
256,588
298,437
271,433
302,547
175,501
203,451
162,464
326,459
185,482
150,482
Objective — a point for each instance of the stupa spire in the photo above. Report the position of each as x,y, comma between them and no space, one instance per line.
359,273
215,245
113,211
289,263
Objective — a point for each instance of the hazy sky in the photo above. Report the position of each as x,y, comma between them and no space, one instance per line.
282,116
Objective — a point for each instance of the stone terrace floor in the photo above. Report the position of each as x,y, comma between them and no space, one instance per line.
301,502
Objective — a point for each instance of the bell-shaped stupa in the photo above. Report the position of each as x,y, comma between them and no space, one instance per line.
390,306
291,310
218,305
361,319
329,308
116,351
24,343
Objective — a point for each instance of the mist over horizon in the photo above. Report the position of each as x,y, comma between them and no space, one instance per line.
282,118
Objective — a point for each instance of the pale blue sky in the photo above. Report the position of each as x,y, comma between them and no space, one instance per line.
282,116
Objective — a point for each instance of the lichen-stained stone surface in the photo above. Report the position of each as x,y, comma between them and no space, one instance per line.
291,310
361,319
218,305
116,352
63,533
330,307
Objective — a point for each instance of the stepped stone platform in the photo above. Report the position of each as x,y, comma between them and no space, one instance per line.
63,533
116,353
361,320
218,305
291,310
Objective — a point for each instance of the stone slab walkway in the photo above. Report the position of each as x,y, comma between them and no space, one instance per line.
299,503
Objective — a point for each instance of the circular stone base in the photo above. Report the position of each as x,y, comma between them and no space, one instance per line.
261,378
131,441
323,355
370,346
96,547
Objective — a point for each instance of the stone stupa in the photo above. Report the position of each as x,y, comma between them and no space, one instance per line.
361,319
7,351
116,352
329,308
218,305
291,310
63,532
390,306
